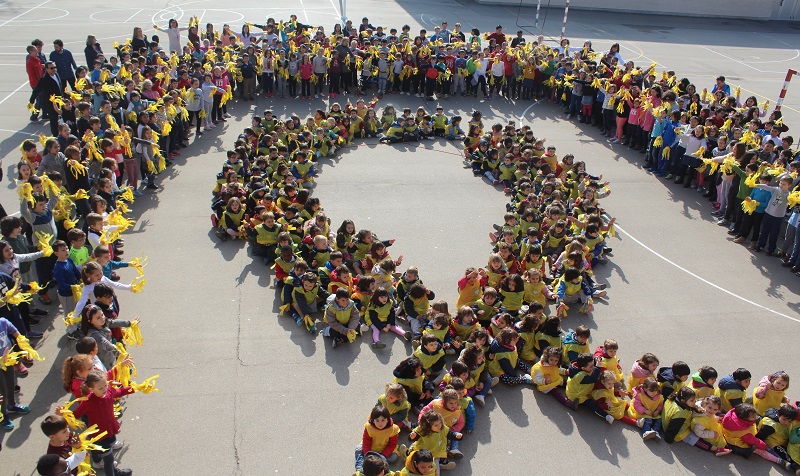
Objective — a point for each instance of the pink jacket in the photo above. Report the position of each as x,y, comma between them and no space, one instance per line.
638,395
762,387
456,427
638,371
647,120
731,422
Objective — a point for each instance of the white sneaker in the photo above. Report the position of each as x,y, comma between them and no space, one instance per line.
227,116
648,435
316,96
480,400
640,422
495,381
609,419
118,445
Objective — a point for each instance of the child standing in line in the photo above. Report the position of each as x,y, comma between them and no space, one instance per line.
99,408
773,214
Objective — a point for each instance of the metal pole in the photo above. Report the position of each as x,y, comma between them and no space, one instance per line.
782,95
538,7
564,26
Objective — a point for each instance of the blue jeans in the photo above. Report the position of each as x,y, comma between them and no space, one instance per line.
770,228
487,385
652,424
795,256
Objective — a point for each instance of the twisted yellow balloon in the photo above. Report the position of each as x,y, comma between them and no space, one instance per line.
24,344
146,387
89,442
136,287
73,422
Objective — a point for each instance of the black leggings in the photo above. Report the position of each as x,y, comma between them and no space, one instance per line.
195,115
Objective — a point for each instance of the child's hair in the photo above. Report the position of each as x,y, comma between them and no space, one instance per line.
48,464
529,323
422,456
582,331
583,360
707,372
103,290
71,366
683,395
506,335
456,384
650,384
379,411
75,234
95,376
397,390
551,352
459,368
680,368
479,333
470,356
607,375
101,250
426,421
53,424
365,283
648,359
551,326
58,245
379,293
89,268
465,311
787,411
407,368
780,375
428,338
85,345
415,292
88,311
713,399
506,318
441,319
610,344
449,395
744,411
741,374
489,291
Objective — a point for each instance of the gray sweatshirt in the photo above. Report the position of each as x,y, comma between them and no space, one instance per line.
777,202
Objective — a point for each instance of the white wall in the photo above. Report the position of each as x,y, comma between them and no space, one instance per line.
749,9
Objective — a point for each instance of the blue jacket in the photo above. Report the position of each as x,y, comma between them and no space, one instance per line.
728,383
669,135
65,64
762,197
66,274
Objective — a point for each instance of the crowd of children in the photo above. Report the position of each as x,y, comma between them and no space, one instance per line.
550,240
113,123
109,128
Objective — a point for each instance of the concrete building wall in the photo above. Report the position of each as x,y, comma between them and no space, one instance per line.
749,9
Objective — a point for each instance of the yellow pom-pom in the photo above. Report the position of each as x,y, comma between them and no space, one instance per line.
24,344
71,319
658,142
136,287
749,206
147,386
665,153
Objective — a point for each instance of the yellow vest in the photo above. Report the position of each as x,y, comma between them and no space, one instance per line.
648,403
413,384
533,293
712,423
772,399
463,331
550,372
450,417
727,395
436,443
469,295
794,448
612,364
577,390
427,359
553,341
617,405
380,438
781,435
734,438
512,300
528,350
396,407
673,411
494,365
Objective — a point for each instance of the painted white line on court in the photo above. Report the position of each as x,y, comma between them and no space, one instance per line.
14,92
24,13
132,16
305,14
731,293
525,112
12,131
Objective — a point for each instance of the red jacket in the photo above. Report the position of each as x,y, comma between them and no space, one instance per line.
35,70
100,410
